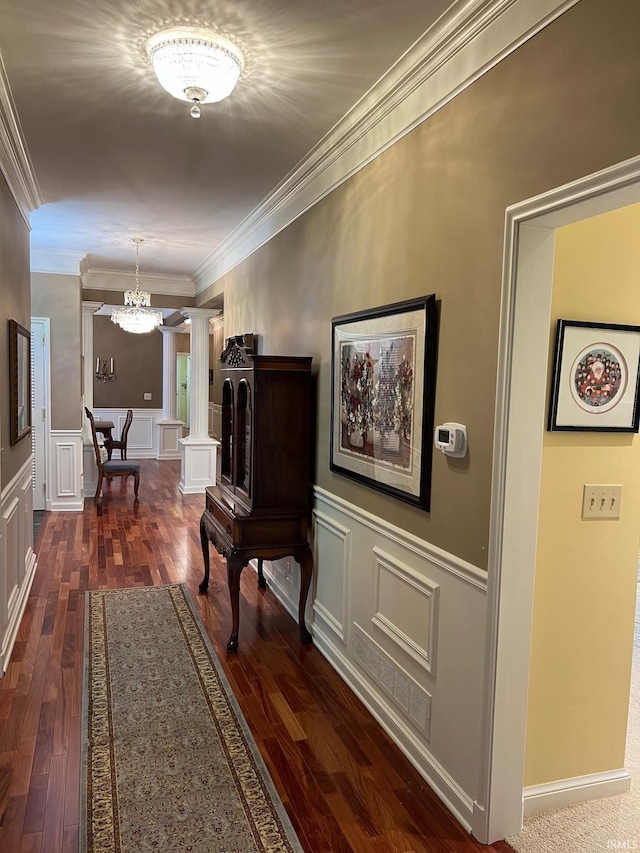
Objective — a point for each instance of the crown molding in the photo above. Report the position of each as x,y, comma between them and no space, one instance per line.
56,261
166,285
468,40
15,161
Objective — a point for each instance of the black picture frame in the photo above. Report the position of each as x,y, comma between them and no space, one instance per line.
595,377
383,372
19,382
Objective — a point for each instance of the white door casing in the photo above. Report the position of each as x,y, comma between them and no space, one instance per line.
41,396
524,328
183,364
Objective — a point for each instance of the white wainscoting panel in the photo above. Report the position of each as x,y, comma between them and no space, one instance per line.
215,420
17,558
169,435
64,483
26,505
143,439
198,464
406,608
331,596
389,606
11,523
89,471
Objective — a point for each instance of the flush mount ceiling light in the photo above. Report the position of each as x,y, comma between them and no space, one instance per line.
138,317
195,64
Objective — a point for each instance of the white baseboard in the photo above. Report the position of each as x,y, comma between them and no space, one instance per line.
566,792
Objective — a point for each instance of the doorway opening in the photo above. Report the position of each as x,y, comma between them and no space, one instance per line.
520,406
183,384
40,396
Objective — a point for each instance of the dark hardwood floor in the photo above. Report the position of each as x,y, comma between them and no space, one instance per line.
346,786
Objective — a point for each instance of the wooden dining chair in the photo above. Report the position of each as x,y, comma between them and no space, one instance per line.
112,468
121,443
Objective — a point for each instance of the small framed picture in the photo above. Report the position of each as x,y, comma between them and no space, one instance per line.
595,378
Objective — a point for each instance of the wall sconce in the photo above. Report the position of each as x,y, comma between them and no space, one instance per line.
104,373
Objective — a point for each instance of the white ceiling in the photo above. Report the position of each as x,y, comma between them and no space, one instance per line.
117,157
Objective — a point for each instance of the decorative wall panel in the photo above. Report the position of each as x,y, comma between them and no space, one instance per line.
388,606
331,599
17,559
64,482
406,608
143,439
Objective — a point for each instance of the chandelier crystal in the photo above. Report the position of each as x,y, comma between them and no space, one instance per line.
195,64
138,318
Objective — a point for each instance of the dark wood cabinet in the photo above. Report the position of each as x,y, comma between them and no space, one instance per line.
261,506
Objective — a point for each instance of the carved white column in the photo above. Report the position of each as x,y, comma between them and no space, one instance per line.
198,449
89,468
170,428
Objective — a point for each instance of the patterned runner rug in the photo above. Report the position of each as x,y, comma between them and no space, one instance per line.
168,761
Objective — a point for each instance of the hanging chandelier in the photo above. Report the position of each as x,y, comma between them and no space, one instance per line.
138,317
195,64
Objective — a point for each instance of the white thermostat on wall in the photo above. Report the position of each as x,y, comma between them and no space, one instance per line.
451,439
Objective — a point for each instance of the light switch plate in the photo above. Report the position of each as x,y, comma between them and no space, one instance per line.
601,500
147,395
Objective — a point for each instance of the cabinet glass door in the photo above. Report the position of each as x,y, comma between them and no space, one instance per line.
226,445
243,426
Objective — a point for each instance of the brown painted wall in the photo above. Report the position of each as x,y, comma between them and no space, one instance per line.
427,216
216,345
58,297
137,365
183,342
15,304
138,358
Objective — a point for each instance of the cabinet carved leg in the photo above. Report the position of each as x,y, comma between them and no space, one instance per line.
305,559
262,581
204,539
235,565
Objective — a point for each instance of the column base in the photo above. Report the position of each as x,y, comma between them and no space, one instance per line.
89,470
169,434
198,464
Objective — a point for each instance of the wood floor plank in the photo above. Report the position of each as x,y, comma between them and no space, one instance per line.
44,739
345,785
22,764
12,823
53,829
32,843
36,802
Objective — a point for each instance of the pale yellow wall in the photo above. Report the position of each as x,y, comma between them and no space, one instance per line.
586,570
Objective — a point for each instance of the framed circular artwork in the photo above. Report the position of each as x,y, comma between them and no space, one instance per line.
595,377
